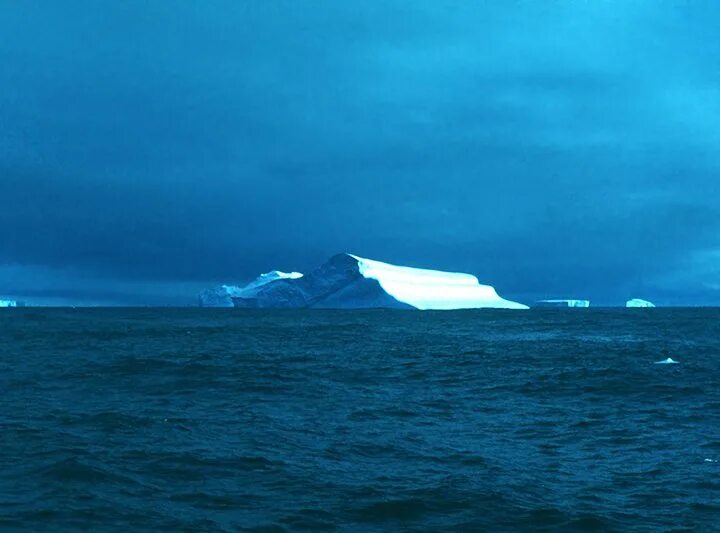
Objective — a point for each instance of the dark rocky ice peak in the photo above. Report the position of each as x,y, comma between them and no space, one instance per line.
337,284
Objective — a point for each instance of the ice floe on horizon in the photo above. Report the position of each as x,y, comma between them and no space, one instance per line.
637,302
563,303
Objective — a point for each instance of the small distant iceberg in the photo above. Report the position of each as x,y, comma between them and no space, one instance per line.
223,295
668,361
637,302
563,303
9,303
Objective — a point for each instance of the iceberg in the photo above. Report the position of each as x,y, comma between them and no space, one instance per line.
222,296
8,303
637,302
219,296
563,303
348,281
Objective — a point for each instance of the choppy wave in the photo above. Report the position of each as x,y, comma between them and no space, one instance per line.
224,420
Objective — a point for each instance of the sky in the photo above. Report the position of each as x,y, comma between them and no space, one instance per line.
555,148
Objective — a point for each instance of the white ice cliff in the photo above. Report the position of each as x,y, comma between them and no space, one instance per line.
222,296
637,302
351,282
433,289
8,303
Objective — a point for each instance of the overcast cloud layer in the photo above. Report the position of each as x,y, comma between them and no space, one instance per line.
553,148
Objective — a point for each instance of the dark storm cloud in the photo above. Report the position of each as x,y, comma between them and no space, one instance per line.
552,148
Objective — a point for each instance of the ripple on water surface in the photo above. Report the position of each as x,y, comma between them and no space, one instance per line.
372,420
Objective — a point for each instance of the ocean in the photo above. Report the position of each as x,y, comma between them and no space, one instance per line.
226,420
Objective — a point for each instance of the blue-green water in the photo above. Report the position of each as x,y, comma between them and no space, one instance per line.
372,420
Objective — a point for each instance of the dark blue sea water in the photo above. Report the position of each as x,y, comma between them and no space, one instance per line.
216,420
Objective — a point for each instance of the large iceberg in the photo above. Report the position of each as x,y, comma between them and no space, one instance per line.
350,282
637,302
222,296
563,303
8,303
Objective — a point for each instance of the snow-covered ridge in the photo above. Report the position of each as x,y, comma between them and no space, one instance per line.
269,277
432,289
222,296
